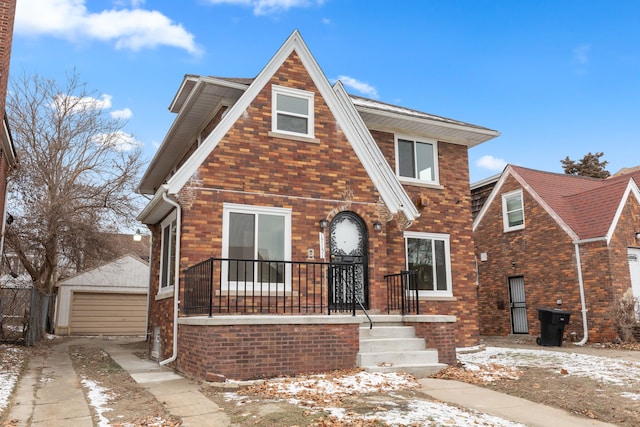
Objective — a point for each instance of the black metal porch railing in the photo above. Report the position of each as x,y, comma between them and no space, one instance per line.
238,286
402,293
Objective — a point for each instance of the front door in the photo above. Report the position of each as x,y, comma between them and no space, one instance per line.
349,245
518,304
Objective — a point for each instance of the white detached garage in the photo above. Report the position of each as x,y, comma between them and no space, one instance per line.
107,300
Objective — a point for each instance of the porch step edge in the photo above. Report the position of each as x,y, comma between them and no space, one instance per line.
411,357
418,371
395,331
382,345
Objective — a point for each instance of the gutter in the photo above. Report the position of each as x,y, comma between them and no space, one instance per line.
585,332
176,283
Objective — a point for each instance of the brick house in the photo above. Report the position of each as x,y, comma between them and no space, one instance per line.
284,213
548,240
7,150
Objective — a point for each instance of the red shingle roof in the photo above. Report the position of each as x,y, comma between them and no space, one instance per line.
587,205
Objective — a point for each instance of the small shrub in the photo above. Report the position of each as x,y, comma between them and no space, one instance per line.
624,313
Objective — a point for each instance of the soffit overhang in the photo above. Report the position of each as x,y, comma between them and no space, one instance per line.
390,118
198,99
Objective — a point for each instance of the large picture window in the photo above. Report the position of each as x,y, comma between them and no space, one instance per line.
256,240
292,111
428,255
168,252
417,159
513,211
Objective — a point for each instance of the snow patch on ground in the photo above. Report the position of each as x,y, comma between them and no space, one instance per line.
620,372
99,397
11,360
603,369
324,392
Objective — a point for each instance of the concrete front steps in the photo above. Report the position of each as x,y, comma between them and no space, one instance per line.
391,347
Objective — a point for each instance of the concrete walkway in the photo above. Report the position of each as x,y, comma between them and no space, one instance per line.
49,394
502,405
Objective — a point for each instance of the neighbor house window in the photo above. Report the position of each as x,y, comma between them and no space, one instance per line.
292,111
168,252
256,240
513,211
428,255
416,159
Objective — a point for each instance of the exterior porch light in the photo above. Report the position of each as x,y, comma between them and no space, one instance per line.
377,226
637,234
324,223
137,237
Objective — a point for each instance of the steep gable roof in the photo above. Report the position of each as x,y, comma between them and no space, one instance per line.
199,96
587,208
391,191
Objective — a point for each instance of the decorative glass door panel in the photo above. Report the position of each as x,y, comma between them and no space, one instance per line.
349,274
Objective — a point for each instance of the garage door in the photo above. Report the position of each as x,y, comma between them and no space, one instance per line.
108,314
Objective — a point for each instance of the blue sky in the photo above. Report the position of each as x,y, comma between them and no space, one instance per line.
555,78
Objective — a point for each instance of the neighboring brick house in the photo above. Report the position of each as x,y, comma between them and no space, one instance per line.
548,240
281,199
7,150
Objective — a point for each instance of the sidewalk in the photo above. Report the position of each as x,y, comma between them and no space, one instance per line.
49,394
502,405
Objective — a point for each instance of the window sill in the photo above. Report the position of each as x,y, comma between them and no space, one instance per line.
257,294
416,183
294,137
164,293
423,297
509,230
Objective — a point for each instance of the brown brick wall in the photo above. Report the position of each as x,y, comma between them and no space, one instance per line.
545,256
448,211
250,166
243,352
7,14
440,336
160,311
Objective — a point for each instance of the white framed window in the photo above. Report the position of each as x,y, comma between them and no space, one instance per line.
513,211
428,254
417,159
292,111
168,253
254,238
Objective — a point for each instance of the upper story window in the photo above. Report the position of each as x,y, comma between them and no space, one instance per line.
428,254
416,159
168,252
292,111
513,211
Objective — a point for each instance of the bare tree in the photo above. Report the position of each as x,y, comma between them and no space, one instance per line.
589,165
74,180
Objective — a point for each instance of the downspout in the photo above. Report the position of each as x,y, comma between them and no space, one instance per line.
585,332
176,284
146,326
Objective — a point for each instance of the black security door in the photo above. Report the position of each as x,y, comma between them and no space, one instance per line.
518,304
349,249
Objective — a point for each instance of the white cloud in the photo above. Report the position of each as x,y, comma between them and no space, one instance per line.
74,103
132,29
265,7
119,141
125,113
582,53
363,88
491,163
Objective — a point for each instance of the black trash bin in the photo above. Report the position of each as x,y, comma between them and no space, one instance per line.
552,321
